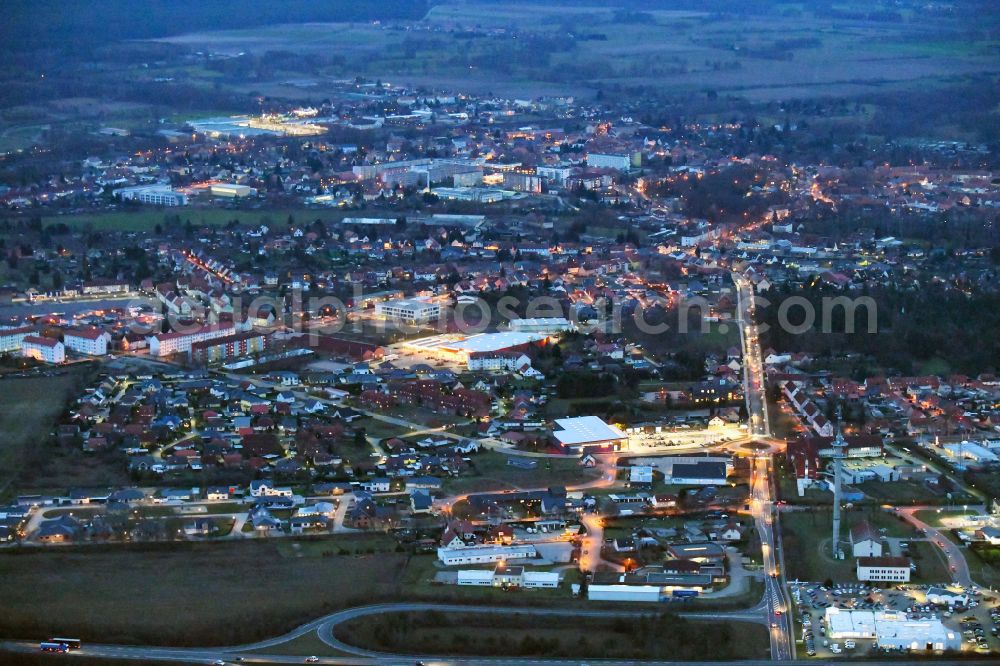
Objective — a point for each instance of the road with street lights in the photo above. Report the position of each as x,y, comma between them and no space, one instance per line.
753,363
776,600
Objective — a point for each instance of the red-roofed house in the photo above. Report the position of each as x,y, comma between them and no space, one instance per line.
48,350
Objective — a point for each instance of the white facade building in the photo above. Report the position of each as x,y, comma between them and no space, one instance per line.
476,577
547,325
609,161
91,341
159,195
865,541
883,569
48,350
512,576
495,361
10,338
624,592
409,311
178,342
485,554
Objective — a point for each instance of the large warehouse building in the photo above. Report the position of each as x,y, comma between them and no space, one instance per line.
695,470
485,554
588,433
459,347
891,629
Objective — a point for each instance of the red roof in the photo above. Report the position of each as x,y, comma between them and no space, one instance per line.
204,329
87,333
17,331
40,341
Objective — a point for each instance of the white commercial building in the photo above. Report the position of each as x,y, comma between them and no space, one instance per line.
485,554
232,190
586,432
624,592
460,347
547,325
883,569
160,195
865,540
540,579
409,311
620,162
891,629
477,577
970,451
39,348
509,577
178,342
89,341
942,596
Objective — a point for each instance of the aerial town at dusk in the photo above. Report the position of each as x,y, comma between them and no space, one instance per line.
457,332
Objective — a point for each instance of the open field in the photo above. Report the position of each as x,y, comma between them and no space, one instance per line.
984,564
524,48
147,218
307,644
202,594
657,636
931,567
29,407
899,493
939,517
806,538
491,472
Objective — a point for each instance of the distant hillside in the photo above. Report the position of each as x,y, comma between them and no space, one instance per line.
31,24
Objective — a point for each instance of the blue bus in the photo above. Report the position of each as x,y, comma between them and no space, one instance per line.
49,646
71,643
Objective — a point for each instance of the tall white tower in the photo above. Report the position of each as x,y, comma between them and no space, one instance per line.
839,452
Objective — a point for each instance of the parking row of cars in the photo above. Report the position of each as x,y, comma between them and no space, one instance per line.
974,634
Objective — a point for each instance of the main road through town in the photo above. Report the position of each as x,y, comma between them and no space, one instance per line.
761,503
753,363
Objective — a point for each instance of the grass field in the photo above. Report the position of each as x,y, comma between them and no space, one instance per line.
191,594
900,493
806,537
773,56
938,518
309,644
491,472
663,636
29,407
931,567
147,218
